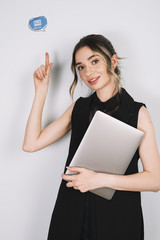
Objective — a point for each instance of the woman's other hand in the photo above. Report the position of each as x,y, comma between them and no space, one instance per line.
84,181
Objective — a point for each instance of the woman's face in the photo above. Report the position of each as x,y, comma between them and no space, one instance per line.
92,68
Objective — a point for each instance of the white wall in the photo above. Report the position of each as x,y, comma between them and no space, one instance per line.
29,181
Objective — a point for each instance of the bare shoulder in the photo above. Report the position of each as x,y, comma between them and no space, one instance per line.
144,119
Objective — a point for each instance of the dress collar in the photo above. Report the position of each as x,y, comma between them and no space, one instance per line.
110,104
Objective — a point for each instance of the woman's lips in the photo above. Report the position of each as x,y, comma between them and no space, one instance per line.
93,80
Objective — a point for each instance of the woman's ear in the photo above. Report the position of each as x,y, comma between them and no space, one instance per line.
114,61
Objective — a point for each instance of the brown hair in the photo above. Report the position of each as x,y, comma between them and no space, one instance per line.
102,45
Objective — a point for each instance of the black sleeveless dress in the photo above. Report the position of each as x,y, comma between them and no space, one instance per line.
77,215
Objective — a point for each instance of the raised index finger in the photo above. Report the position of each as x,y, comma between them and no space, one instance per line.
46,60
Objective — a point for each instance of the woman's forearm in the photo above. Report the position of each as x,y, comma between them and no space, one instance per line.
33,127
142,181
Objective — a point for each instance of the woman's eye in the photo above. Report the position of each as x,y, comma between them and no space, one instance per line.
95,61
80,68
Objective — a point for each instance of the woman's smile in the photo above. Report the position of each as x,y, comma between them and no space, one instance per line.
93,81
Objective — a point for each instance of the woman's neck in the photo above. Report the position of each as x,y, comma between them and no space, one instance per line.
107,92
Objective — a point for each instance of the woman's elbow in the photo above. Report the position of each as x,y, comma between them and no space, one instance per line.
157,185
157,188
28,148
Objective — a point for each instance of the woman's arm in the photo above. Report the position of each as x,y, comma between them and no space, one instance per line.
35,138
148,180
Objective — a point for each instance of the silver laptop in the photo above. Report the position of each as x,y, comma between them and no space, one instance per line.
107,147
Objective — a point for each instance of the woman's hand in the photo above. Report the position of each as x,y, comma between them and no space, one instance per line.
84,181
41,75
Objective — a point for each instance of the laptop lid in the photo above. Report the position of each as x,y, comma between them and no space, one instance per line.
108,146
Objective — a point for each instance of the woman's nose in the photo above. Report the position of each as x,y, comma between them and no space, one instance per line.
89,71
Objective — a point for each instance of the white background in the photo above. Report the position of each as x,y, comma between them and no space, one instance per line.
29,182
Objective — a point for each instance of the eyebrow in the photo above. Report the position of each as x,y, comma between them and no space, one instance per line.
88,59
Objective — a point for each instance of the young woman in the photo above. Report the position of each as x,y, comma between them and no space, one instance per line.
79,214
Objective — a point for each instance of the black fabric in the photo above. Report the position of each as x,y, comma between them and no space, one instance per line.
77,213
110,106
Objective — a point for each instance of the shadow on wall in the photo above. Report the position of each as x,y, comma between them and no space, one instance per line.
24,96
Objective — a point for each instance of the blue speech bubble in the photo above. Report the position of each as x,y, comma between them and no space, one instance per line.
38,23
